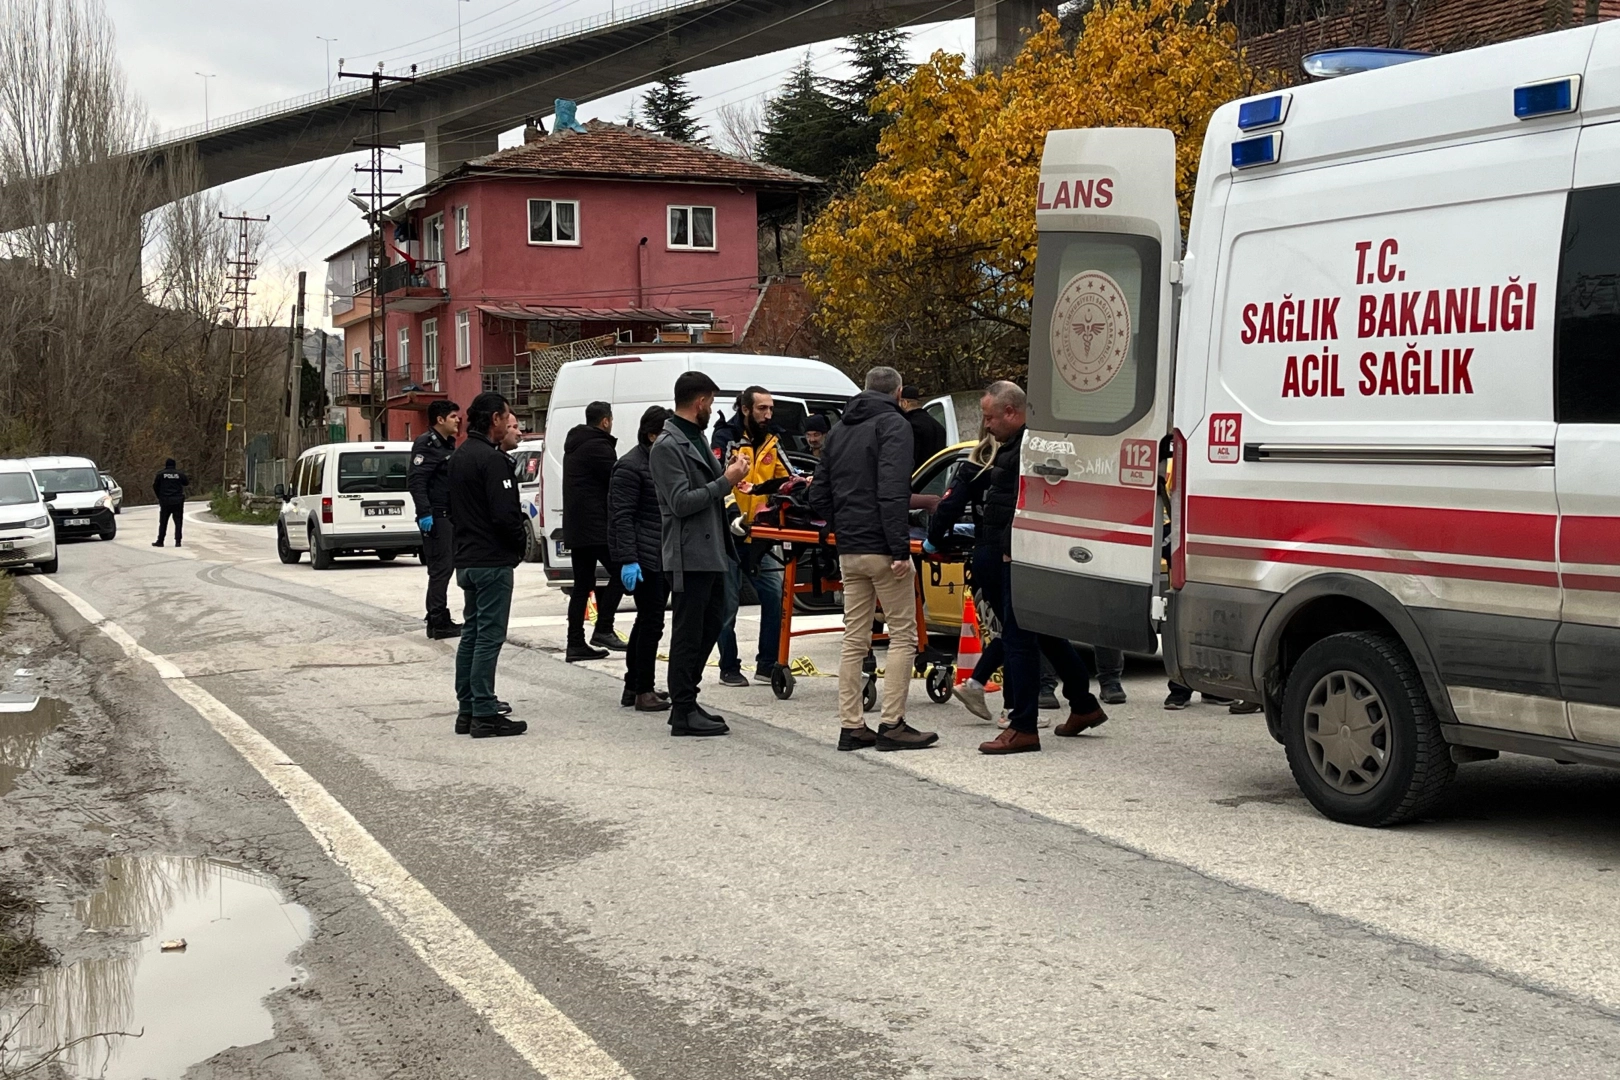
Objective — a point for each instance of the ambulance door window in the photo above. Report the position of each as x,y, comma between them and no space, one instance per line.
1588,347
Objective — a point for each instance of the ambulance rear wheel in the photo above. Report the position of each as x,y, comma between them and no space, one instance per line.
941,677
1363,742
781,682
869,693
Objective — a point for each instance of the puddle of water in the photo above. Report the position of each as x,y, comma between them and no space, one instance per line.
186,1005
25,720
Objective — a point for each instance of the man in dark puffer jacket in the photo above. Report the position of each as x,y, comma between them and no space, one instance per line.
635,536
588,456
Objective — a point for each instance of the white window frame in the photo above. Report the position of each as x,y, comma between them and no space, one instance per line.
464,338
430,353
554,204
403,359
691,217
433,238
463,229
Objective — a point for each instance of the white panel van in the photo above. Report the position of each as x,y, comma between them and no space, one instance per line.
347,499
1390,402
632,383
27,532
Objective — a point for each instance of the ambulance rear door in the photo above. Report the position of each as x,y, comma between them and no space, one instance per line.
1086,539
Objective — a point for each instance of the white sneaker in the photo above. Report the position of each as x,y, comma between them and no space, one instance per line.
972,698
1041,720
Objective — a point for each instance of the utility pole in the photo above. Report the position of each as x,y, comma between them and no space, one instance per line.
205,79
288,445
297,418
378,253
242,266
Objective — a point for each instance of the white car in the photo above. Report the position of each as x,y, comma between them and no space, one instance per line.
115,490
78,500
27,535
348,499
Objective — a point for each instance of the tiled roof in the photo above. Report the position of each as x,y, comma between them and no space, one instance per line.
1434,26
614,151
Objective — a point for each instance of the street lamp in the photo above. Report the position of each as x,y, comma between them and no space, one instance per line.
458,28
205,79
328,41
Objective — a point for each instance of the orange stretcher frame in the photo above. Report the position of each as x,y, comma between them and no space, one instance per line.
781,677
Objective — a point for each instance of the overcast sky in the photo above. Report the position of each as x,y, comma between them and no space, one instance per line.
258,54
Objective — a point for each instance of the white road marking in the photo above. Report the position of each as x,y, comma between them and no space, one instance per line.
513,1008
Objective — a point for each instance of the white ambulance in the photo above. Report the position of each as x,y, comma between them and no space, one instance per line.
1388,365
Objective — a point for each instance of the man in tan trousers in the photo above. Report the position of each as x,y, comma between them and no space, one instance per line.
863,489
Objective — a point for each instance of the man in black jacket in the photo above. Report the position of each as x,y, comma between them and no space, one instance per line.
589,452
1004,407
489,543
636,537
170,489
428,480
862,490
927,434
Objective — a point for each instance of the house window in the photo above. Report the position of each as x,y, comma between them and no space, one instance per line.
430,353
433,239
463,338
553,221
691,227
463,229
405,352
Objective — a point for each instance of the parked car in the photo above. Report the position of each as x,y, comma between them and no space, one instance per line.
27,534
115,490
347,499
527,464
78,501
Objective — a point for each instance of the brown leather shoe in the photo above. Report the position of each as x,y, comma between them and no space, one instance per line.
1011,741
651,702
1078,722
902,736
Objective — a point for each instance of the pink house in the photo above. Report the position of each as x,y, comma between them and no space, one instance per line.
573,244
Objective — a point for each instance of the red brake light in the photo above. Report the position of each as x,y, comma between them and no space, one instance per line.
326,510
1178,509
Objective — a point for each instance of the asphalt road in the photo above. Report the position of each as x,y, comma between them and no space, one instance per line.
1151,901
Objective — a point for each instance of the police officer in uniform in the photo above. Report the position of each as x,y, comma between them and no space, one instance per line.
429,484
170,489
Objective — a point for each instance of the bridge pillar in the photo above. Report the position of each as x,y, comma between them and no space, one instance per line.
1000,27
449,146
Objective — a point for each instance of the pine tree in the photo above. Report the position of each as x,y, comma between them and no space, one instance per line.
667,109
879,59
804,127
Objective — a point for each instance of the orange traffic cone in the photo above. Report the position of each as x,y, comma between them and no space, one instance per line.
968,649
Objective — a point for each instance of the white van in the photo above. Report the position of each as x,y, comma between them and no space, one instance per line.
27,535
73,489
632,383
348,499
1393,397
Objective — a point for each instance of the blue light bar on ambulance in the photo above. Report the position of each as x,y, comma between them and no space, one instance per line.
1262,112
1261,150
1548,98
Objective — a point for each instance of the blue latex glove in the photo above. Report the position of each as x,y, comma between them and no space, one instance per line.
929,548
425,523
630,576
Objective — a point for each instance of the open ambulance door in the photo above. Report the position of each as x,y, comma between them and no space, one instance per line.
1087,535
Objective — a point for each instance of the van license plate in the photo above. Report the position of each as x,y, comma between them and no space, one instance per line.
385,511
6,545
77,521
562,550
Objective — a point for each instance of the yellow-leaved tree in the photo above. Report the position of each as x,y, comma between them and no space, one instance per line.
928,263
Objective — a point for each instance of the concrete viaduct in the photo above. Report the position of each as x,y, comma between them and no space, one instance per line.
458,107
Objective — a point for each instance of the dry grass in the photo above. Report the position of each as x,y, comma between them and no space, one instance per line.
20,951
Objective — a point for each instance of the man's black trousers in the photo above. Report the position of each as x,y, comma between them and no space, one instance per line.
700,612
641,659
170,511
439,556
608,596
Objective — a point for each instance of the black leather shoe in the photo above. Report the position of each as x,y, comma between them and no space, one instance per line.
489,727
504,708
445,629
463,723
607,639
714,716
584,652
627,698
856,738
694,723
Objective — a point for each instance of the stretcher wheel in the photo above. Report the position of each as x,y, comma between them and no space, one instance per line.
941,677
869,694
781,682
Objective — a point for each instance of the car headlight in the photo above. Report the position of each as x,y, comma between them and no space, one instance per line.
38,522
104,503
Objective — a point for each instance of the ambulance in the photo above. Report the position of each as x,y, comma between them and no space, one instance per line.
1383,382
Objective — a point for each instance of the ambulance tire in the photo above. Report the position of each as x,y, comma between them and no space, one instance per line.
1364,679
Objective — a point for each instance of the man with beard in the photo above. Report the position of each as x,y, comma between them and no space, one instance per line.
756,560
696,545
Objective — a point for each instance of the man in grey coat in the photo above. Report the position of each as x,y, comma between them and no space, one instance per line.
697,551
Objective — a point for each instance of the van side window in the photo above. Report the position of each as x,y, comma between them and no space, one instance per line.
1588,349
312,475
